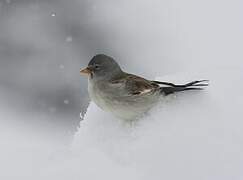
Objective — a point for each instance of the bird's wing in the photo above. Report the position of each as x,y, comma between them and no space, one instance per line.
136,85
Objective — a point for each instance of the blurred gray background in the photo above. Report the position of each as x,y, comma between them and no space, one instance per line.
44,43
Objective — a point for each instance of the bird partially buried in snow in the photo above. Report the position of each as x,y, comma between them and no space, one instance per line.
127,96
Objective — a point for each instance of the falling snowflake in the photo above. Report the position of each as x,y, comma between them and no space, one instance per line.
69,39
53,14
61,66
66,101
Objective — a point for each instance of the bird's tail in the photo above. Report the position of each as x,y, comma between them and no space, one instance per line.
171,88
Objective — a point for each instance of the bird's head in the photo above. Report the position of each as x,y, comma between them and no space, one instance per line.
102,67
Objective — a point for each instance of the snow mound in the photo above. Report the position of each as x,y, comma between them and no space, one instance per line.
190,135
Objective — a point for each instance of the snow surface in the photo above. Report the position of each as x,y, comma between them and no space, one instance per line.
191,135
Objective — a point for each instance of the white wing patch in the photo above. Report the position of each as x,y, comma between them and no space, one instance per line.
145,91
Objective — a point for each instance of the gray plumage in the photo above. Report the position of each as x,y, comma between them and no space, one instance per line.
127,96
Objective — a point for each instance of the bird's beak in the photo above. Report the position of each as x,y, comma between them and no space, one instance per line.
86,71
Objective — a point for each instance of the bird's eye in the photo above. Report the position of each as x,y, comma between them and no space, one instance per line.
96,66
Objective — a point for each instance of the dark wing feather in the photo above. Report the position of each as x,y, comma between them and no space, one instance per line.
136,85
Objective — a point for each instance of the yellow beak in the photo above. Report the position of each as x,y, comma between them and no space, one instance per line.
85,71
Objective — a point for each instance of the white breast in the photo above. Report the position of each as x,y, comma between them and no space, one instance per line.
123,107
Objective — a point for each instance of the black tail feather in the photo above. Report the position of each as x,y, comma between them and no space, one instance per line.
172,88
193,83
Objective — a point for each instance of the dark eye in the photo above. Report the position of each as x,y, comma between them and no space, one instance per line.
96,66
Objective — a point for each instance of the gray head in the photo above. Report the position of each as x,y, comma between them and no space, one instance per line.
102,67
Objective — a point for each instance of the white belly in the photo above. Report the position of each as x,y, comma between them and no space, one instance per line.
127,108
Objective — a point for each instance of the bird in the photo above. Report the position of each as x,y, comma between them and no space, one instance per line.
127,96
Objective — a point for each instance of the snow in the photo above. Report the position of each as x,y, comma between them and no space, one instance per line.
193,135
53,14
61,66
69,39
190,135
66,101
